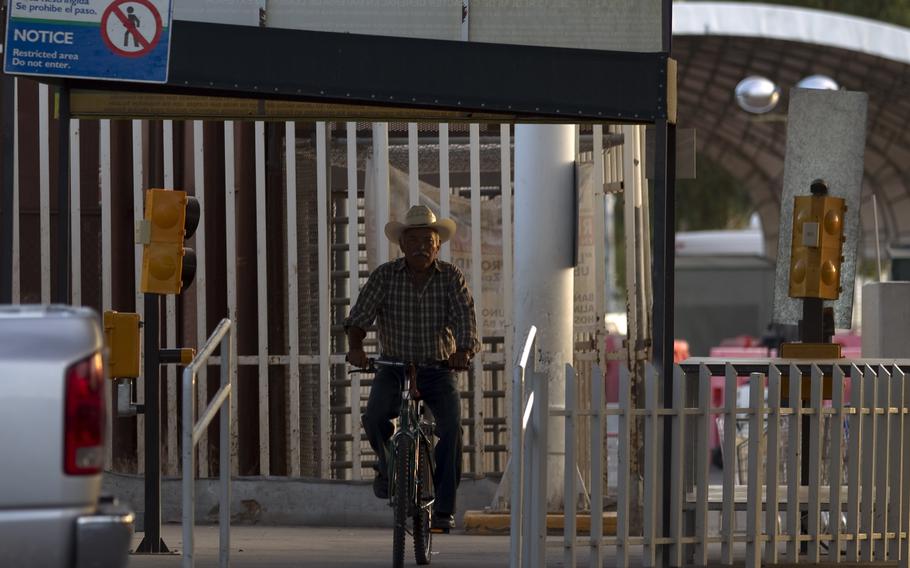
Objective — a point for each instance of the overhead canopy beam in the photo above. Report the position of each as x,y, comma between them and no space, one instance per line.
372,75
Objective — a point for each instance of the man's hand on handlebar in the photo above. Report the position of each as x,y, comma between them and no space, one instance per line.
358,358
459,360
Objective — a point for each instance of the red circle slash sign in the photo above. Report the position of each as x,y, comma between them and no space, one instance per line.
116,9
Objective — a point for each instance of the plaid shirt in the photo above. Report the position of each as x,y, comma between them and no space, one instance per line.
417,325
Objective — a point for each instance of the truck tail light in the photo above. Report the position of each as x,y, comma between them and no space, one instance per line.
83,425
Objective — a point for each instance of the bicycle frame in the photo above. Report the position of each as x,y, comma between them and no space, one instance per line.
410,425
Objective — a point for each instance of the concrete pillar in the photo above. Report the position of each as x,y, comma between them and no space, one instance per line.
545,213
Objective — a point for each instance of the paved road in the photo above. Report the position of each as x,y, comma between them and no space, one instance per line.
274,547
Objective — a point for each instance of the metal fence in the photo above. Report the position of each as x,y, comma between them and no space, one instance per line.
822,450
281,251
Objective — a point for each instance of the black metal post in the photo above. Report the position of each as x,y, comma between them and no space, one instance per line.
663,272
7,120
152,543
61,292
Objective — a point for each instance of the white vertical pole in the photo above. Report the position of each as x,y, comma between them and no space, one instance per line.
354,286
381,163
857,401
815,458
597,468
75,212
44,188
883,449
644,211
729,448
201,296
262,294
905,468
505,184
322,197
290,167
413,179
16,264
836,463
756,450
445,192
678,459
569,491
630,215
170,300
477,288
794,465
544,157
895,477
230,224
652,437
870,449
138,214
773,456
104,157
705,421
599,226
623,483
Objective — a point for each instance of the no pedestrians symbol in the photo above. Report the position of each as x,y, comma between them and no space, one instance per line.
131,28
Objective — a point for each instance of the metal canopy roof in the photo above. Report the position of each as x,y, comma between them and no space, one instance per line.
718,44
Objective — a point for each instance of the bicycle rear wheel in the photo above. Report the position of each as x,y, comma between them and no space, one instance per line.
423,537
402,498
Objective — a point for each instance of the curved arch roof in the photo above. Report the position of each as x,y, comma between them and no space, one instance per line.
717,44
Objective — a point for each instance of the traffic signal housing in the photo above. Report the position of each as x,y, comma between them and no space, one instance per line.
817,242
171,217
121,335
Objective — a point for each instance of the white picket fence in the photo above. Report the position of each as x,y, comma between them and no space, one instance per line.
764,509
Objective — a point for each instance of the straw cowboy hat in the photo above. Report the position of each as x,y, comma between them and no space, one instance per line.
420,216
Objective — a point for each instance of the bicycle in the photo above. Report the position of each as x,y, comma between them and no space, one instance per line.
411,467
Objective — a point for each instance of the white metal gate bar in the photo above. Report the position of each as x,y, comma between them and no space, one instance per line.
569,488
677,482
729,451
867,509
353,211
381,186
413,179
651,489
772,499
199,282
105,182
883,392
598,429
505,184
16,252
794,463
170,301
623,481
76,222
290,168
756,448
44,192
895,457
814,458
230,225
836,463
477,287
322,204
904,521
701,466
445,192
138,210
262,298
857,399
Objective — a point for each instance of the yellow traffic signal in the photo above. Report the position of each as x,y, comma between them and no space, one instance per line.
817,241
121,335
171,217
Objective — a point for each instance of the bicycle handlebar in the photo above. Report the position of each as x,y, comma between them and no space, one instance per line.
378,362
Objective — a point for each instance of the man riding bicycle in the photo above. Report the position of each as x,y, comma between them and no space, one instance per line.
424,314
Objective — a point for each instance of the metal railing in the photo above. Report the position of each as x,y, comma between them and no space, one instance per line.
192,432
816,458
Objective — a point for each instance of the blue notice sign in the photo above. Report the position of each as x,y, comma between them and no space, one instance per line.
122,40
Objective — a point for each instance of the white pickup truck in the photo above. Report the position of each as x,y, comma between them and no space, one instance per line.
52,443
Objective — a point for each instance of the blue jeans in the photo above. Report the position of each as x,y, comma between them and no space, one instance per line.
439,391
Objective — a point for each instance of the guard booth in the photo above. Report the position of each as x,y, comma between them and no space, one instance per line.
287,137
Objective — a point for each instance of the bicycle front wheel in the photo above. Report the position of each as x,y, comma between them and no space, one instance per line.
423,537
402,497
